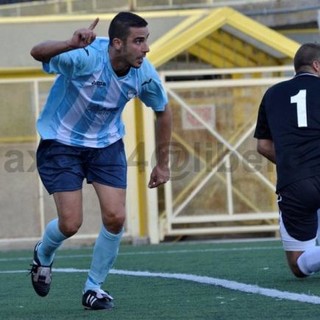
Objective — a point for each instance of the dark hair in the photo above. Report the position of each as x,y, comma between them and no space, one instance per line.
122,22
305,55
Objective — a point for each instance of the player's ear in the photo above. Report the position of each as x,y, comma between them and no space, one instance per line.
117,43
316,65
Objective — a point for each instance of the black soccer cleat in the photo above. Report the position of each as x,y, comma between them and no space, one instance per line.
41,276
97,300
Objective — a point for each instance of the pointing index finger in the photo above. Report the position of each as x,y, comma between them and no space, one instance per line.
93,24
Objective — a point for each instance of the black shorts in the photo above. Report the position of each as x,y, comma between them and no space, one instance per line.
298,204
63,168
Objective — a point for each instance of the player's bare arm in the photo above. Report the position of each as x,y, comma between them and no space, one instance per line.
81,38
266,148
161,172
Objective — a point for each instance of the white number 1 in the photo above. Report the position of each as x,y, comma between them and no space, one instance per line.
301,100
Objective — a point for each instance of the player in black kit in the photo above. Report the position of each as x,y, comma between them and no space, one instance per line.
288,134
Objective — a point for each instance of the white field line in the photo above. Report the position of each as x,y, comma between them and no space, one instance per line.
227,284
177,251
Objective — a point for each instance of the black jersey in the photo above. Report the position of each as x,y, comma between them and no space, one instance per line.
289,114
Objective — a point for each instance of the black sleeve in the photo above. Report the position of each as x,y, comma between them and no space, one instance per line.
262,130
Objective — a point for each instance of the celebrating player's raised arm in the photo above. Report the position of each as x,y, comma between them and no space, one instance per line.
81,38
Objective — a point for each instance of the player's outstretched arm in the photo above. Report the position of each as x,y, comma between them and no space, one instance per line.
81,38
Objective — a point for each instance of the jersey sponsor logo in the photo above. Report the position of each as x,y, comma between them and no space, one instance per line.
99,83
97,109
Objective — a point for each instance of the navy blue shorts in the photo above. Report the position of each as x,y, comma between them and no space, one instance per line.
63,168
299,203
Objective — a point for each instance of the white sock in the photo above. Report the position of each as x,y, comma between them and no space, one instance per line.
309,261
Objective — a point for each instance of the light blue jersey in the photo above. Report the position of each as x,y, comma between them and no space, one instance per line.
85,103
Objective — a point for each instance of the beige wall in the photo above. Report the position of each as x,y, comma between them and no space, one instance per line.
18,35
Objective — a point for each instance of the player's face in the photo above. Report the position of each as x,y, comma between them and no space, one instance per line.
136,47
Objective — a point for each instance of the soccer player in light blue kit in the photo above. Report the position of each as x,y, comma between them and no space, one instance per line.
81,138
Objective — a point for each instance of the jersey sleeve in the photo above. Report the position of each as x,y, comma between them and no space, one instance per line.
74,63
153,93
78,62
262,130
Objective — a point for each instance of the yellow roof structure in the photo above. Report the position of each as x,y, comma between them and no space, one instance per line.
224,38
221,38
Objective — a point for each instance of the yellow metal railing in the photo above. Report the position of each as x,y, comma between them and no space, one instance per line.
18,73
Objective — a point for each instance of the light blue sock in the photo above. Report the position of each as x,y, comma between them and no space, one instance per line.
104,255
51,241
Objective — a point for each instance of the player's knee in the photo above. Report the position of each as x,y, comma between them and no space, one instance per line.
296,271
114,221
298,274
70,228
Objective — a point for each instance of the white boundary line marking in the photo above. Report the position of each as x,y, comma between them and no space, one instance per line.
227,284
180,251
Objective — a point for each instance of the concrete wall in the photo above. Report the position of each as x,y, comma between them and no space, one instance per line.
19,35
